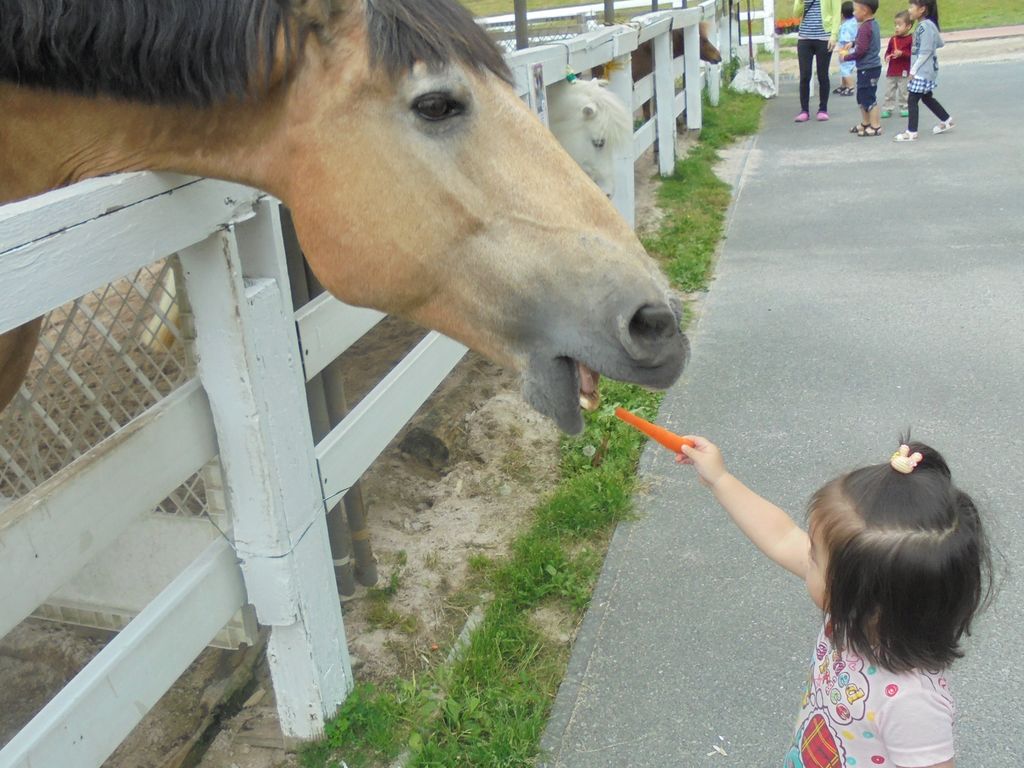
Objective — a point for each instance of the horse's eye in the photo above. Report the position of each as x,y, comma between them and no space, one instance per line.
437,106
598,143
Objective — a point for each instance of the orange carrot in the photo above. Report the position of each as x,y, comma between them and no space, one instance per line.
670,440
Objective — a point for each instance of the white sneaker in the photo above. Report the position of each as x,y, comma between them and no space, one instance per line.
905,136
944,126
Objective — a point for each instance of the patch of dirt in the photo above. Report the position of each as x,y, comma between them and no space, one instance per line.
646,182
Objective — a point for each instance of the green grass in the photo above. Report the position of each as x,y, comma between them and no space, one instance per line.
489,709
696,198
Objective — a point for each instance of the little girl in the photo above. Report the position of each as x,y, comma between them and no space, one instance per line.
898,563
924,69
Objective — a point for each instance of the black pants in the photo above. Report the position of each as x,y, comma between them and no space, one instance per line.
915,111
818,52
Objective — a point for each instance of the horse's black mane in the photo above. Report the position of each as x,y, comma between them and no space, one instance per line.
202,52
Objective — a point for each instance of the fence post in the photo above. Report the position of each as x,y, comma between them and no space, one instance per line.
664,101
249,366
620,81
691,70
522,25
769,25
714,70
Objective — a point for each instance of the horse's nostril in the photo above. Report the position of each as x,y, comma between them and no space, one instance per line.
648,328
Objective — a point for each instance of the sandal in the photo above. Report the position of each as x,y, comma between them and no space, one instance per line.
870,130
905,136
860,128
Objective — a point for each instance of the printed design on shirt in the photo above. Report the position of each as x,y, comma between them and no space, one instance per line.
840,686
817,746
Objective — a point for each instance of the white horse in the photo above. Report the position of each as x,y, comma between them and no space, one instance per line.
590,122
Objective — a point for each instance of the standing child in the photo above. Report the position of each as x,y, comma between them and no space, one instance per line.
866,52
897,56
847,34
924,69
819,25
898,562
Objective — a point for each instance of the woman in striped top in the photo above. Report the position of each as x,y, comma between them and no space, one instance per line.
819,28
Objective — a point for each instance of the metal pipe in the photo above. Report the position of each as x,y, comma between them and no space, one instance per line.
522,25
609,11
355,508
319,412
332,379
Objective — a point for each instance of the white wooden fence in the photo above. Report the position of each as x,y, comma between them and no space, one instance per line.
247,406
616,44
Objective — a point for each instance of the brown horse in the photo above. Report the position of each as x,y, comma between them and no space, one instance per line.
418,181
642,62
643,57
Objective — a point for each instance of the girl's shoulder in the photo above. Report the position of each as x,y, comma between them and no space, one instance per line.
913,688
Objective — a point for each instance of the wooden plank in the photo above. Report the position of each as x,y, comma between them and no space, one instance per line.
36,217
599,50
87,720
145,557
626,41
653,24
327,327
643,91
678,67
680,103
665,89
620,82
350,448
48,535
644,137
141,234
248,363
691,53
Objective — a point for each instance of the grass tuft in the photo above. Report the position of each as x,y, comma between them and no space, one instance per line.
695,199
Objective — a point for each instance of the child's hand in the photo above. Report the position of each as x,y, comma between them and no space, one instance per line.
705,458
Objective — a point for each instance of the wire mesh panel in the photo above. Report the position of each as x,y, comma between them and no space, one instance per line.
543,31
102,360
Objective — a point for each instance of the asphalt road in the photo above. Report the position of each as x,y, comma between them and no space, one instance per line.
864,287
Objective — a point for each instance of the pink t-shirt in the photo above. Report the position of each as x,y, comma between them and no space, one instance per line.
859,715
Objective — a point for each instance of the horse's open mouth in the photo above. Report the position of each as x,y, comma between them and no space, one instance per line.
588,380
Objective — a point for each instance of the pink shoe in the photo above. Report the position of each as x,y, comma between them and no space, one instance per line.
822,116
803,117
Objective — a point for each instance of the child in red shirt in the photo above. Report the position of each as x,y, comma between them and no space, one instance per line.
897,54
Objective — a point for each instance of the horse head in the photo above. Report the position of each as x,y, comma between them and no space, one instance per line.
591,124
418,181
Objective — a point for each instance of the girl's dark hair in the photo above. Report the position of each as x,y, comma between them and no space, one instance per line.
931,9
908,562
846,9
